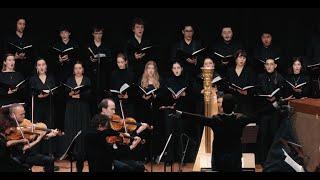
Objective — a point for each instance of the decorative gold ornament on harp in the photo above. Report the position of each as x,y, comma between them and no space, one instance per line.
210,104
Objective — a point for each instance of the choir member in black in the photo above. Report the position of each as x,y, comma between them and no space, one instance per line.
189,45
297,76
7,163
136,42
40,86
241,75
265,50
119,77
9,79
65,61
77,113
227,127
313,57
20,39
176,82
99,64
227,46
26,153
268,122
123,157
63,68
148,110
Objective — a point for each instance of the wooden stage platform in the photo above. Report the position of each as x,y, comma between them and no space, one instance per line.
65,167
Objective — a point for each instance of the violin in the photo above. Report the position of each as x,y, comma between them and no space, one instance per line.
15,134
121,138
117,123
37,127
30,130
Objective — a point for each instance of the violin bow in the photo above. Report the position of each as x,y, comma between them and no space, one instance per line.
19,127
124,121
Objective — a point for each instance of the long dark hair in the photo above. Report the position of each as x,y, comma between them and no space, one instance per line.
295,59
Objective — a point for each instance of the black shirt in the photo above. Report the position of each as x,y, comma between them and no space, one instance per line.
133,46
37,86
269,82
7,163
106,66
64,70
246,78
99,153
227,131
225,49
262,53
296,79
11,79
189,69
24,65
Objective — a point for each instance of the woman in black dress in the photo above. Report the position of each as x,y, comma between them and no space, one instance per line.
77,113
178,81
42,87
298,83
149,103
9,79
122,75
242,76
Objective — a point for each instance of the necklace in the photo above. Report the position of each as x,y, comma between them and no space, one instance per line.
296,81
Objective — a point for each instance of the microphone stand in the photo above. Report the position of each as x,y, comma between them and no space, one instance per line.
152,133
98,76
50,123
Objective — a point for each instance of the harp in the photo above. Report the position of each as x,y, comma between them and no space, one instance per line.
203,158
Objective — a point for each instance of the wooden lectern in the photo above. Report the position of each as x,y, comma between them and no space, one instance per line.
306,125
203,159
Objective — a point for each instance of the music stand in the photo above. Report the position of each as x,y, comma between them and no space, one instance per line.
69,151
164,152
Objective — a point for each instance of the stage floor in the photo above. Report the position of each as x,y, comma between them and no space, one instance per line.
65,167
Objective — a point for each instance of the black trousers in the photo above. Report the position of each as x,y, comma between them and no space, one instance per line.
268,127
35,159
128,166
227,162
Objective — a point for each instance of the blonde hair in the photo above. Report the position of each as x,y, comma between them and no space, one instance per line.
145,77
4,67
